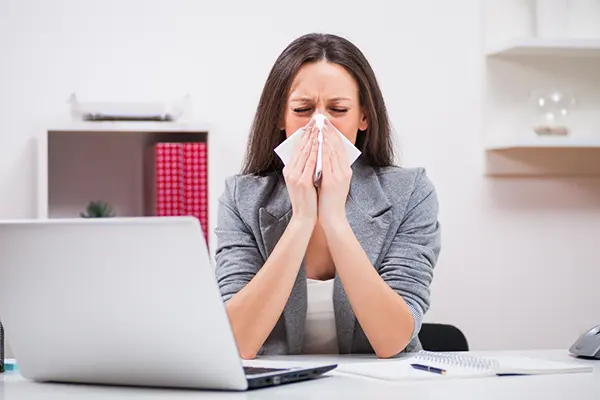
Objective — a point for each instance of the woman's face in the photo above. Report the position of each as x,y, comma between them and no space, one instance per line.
329,89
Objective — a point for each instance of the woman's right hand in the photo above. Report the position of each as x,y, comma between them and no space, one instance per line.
299,177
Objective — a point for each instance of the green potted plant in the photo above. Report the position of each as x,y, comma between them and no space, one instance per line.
98,209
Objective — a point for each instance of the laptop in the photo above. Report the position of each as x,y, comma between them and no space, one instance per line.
122,301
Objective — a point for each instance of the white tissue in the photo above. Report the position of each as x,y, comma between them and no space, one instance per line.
285,150
319,124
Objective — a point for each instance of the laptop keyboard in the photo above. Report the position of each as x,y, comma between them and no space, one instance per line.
259,370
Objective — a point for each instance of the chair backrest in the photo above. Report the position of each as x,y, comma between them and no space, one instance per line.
442,337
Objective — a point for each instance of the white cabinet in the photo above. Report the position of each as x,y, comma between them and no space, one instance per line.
80,162
515,67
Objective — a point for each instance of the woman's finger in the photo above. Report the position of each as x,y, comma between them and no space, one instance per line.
334,159
303,150
340,156
327,150
311,162
298,150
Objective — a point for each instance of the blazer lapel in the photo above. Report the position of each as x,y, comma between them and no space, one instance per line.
274,217
369,213
273,221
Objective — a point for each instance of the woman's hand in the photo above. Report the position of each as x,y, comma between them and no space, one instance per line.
335,182
299,178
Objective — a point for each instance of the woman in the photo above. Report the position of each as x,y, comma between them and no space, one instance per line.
344,268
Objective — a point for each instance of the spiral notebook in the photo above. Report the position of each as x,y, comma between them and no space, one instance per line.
458,365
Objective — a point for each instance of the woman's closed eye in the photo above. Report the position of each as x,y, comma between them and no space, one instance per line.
339,110
302,110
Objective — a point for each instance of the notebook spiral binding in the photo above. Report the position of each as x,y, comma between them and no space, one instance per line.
458,360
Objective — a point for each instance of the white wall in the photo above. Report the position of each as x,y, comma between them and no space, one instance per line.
519,266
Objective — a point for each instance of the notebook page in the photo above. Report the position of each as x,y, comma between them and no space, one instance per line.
459,366
400,370
527,365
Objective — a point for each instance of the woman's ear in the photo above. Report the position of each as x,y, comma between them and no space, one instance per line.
364,124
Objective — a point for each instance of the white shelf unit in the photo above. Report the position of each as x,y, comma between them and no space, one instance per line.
516,68
83,161
129,127
547,47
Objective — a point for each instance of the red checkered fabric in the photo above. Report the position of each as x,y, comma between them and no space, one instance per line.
195,175
182,181
169,179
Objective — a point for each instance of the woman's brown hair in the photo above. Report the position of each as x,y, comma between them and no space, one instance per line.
375,142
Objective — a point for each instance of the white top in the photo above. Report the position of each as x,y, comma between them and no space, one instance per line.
320,334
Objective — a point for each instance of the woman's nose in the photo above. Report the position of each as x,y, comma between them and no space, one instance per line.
321,110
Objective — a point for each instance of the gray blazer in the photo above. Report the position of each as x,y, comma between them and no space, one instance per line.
393,213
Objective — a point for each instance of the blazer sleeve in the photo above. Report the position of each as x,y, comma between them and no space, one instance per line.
408,265
237,256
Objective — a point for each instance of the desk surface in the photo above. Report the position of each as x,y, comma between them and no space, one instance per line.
339,385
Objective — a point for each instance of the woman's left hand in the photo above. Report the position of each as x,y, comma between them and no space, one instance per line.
335,179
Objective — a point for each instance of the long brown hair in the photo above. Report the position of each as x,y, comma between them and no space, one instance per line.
375,142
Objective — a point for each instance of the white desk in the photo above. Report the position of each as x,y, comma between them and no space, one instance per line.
338,385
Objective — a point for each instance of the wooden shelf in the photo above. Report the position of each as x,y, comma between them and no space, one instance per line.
544,143
543,156
547,47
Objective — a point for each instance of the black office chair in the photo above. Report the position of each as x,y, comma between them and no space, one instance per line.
441,337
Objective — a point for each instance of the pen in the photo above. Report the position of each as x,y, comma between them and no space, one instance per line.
429,369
